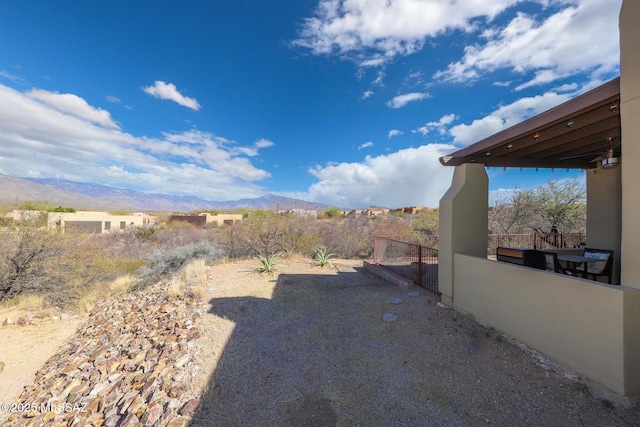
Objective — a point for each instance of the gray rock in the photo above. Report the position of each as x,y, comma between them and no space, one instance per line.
397,301
413,294
389,317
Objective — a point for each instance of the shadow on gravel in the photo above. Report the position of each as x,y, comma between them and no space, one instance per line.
319,354
292,358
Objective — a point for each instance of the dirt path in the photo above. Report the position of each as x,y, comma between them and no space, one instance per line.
310,347
24,349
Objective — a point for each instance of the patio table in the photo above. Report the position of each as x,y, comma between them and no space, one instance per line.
577,259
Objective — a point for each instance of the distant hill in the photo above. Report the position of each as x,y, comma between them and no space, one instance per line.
101,197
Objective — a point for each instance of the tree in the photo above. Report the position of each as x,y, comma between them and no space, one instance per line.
333,212
426,222
561,206
558,205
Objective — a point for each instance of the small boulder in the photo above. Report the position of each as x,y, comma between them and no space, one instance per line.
389,317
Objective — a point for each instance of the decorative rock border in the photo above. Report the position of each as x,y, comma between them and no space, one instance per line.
127,365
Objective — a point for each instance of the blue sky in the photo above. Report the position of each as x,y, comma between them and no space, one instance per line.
344,102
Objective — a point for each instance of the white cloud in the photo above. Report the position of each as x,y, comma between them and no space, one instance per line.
68,103
263,143
162,90
402,100
373,32
11,77
40,139
440,126
367,94
395,132
413,176
113,99
506,116
581,37
365,145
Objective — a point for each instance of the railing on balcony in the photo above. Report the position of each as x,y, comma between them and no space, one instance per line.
535,241
416,257
409,257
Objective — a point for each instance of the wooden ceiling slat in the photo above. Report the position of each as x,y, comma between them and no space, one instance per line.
558,144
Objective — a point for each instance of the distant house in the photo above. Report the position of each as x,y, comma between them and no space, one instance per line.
302,213
21,215
146,218
374,211
202,219
93,222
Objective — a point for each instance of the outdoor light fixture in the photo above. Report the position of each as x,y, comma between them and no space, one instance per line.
609,160
488,153
509,146
614,107
536,136
570,123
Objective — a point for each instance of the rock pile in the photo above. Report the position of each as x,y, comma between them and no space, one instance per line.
127,365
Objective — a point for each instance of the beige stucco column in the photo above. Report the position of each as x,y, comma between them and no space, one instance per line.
630,160
604,213
463,222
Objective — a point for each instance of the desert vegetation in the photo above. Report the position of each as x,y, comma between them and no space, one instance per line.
70,269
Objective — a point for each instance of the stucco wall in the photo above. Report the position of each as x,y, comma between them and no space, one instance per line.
463,222
583,324
630,116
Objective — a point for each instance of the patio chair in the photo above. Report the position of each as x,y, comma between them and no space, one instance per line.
599,268
553,264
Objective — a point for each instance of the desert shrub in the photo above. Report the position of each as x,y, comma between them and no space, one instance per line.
146,232
349,238
122,284
58,266
192,277
322,257
168,261
234,241
26,251
268,232
268,263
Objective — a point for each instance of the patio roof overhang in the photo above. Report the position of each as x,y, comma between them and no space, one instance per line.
572,135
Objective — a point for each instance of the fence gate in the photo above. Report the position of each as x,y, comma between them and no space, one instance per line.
406,257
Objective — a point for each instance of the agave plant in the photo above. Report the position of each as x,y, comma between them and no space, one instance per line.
268,263
322,257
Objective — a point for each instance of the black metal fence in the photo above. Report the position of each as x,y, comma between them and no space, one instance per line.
408,257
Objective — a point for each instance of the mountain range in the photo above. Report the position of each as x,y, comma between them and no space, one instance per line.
78,195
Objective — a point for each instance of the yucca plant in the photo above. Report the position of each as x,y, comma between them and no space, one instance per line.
269,265
322,257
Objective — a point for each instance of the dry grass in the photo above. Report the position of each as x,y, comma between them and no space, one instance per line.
26,302
123,284
192,278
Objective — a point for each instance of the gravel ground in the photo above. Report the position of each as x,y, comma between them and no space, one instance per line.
309,346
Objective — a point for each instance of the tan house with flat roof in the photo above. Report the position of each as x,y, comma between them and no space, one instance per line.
94,222
589,326
203,219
